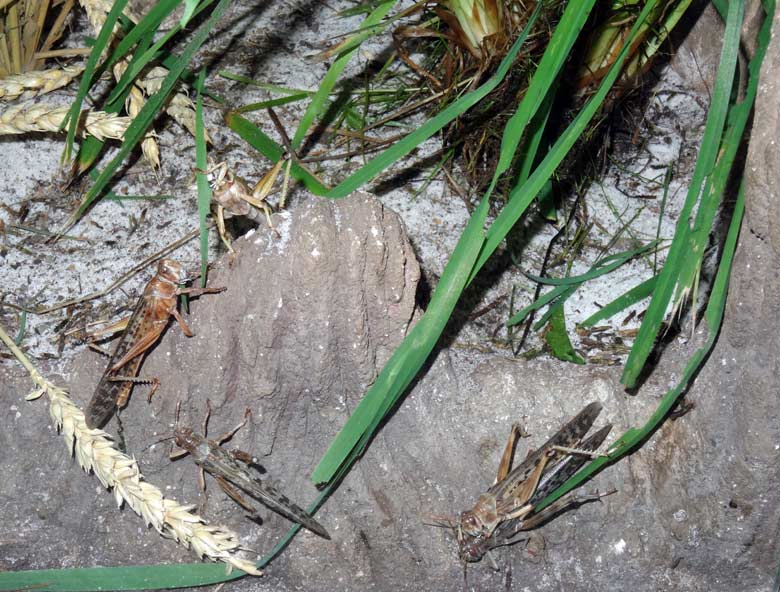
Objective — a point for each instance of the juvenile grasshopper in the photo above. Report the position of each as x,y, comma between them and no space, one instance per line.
152,312
232,195
226,469
508,507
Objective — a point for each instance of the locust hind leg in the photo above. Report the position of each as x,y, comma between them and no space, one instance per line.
509,451
222,231
121,400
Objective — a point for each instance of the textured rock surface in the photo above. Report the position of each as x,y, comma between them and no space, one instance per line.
304,328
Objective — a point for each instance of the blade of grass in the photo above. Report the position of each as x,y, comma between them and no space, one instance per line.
601,267
605,265
319,101
266,146
713,132
72,119
91,147
634,295
204,189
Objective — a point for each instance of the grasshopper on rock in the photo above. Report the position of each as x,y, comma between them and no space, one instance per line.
233,197
232,469
151,315
508,508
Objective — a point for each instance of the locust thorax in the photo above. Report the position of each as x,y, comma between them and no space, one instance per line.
482,519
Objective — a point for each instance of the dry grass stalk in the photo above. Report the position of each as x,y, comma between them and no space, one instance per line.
28,30
27,117
38,82
117,471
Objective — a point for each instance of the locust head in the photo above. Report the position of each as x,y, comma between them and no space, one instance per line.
476,526
171,271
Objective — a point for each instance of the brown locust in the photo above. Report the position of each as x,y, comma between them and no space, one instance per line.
508,508
148,321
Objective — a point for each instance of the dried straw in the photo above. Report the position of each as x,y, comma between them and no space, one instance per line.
94,451
28,117
38,82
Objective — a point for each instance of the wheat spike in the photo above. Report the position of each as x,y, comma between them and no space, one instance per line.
97,10
36,82
28,117
94,451
133,103
180,107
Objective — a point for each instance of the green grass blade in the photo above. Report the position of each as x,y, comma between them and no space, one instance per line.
143,577
146,27
540,302
622,302
600,268
523,194
256,138
319,102
567,286
189,11
670,273
91,147
204,189
90,69
150,110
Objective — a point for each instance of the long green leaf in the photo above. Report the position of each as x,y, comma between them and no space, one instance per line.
319,101
91,147
713,132
567,286
90,69
408,358
716,305
622,302
204,189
